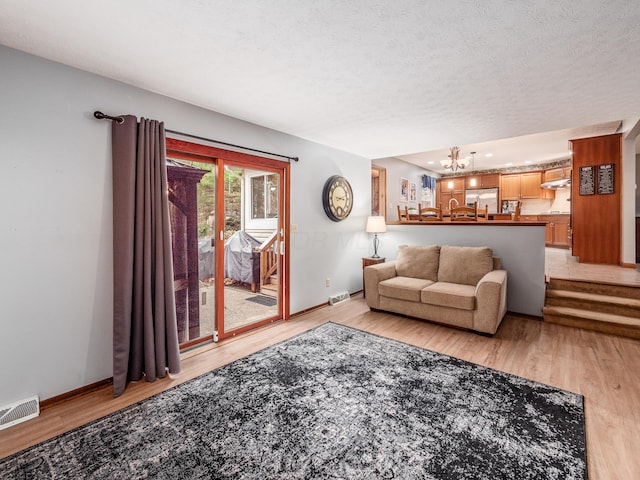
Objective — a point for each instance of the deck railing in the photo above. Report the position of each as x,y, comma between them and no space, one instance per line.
268,258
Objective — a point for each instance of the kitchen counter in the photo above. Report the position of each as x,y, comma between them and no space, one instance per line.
547,214
447,221
494,219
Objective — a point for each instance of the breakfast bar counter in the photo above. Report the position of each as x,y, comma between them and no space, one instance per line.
447,221
519,244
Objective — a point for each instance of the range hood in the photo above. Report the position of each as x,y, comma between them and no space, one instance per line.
555,184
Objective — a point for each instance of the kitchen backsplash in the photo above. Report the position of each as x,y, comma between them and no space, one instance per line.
558,205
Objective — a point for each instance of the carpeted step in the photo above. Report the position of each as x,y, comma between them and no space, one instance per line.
591,320
628,307
596,288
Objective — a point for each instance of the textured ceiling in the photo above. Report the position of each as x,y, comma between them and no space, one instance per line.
374,77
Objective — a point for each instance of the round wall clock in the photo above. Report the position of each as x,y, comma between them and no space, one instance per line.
337,198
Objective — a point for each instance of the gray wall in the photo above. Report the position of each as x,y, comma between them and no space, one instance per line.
56,234
55,227
520,248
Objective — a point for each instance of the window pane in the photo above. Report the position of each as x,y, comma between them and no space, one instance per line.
272,196
257,197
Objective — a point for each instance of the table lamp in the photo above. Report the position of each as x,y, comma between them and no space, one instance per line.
376,225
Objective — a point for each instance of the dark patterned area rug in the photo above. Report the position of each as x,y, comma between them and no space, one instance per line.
334,403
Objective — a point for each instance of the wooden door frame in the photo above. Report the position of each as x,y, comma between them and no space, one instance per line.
382,192
220,157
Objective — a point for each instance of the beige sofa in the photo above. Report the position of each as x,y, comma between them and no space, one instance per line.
459,286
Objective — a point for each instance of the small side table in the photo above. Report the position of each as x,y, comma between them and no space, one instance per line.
366,261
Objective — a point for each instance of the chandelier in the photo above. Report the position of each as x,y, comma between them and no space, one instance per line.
454,162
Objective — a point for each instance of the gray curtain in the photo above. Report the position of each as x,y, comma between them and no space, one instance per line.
145,332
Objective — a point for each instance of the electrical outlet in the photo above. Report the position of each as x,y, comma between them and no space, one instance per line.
294,228
327,282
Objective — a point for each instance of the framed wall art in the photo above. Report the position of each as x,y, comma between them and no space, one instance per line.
404,190
605,179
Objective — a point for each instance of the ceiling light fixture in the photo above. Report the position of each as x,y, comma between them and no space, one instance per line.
454,162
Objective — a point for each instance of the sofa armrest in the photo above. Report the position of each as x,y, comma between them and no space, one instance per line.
374,274
491,301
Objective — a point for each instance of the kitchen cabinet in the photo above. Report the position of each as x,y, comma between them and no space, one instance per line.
450,188
489,180
510,187
548,234
557,174
558,230
522,186
562,234
530,185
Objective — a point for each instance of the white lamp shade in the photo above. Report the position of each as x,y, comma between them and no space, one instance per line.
376,225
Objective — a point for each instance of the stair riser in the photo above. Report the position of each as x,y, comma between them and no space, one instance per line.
593,325
593,306
595,288
269,291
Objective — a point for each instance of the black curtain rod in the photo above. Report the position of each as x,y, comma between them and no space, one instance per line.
120,120
103,116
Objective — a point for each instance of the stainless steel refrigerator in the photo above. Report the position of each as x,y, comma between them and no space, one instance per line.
484,196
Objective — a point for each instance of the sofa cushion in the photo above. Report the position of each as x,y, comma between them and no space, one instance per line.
464,265
453,295
403,288
418,262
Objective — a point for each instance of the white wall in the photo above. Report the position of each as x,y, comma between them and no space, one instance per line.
637,190
55,226
631,129
397,169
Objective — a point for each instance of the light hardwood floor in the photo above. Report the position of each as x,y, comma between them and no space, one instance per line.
603,368
559,263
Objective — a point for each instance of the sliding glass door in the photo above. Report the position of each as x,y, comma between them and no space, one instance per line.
192,204
230,239
252,249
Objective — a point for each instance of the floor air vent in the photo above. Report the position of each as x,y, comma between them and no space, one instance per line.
19,412
339,298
